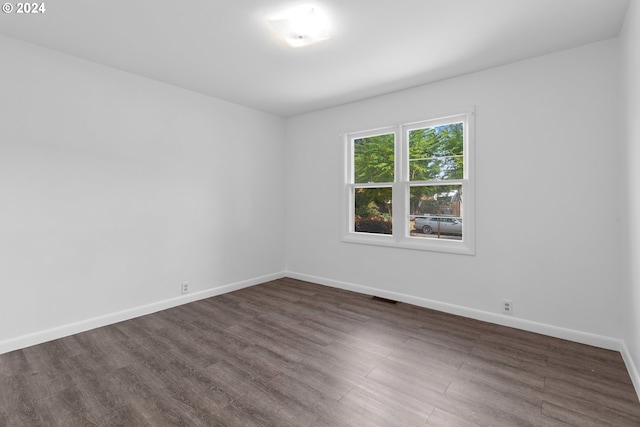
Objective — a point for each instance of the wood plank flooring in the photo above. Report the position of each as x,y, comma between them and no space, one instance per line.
292,353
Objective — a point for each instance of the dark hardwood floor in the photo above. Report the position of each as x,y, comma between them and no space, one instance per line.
291,353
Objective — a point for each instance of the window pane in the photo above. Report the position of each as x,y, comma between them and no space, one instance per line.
436,212
372,210
436,153
373,159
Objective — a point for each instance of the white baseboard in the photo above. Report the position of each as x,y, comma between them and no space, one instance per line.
631,367
96,322
513,322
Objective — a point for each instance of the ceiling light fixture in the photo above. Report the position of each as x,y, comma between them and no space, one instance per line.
301,26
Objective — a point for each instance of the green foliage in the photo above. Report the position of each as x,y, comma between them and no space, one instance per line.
373,224
373,210
373,201
436,153
373,159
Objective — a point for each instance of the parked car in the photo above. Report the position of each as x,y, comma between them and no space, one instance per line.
439,224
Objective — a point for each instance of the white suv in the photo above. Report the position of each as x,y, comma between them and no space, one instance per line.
439,225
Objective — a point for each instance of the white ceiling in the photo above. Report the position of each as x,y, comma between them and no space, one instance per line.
226,49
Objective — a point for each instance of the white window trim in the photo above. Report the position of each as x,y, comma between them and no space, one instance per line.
400,187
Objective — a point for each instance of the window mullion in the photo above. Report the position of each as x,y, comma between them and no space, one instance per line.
437,183
400,218
372,185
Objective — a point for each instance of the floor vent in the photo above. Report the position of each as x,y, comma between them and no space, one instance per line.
388,301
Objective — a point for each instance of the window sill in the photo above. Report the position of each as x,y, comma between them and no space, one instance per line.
414,243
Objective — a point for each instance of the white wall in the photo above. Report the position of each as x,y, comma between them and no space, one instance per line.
548,153
114,189
631,68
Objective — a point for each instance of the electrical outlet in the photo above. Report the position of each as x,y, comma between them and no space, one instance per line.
507,306
184,288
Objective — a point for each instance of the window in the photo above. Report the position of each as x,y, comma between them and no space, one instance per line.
411,185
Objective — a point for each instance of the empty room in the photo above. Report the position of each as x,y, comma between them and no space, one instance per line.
325,213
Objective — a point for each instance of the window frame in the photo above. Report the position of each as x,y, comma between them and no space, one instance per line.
401,187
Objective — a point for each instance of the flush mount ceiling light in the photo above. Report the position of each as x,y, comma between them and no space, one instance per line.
301,26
